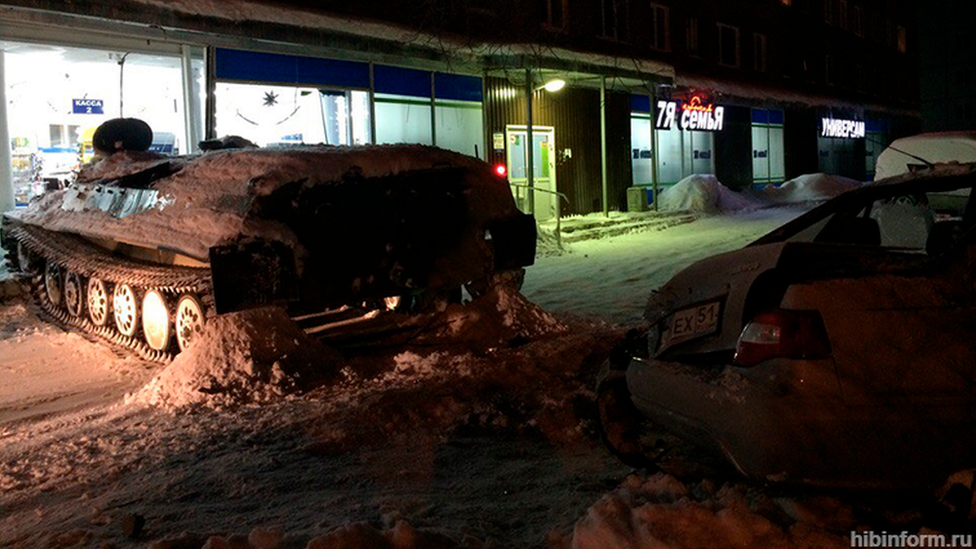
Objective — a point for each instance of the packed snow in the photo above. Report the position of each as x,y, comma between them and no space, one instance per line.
703,193
477,433
809,188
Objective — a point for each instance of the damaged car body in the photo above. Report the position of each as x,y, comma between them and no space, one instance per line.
835,350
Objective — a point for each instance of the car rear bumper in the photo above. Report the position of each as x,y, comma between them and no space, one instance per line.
782,421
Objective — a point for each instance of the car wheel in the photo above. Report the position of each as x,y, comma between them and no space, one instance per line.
620,423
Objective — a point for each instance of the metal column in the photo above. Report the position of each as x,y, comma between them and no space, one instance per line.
191,103
603,143
6,171
529,146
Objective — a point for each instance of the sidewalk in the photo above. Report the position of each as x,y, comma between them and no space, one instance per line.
595,225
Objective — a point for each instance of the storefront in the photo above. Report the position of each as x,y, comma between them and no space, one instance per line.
57,95
281,100
768,150
683,140
841,144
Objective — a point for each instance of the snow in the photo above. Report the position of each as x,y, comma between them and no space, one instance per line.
247,357
703,193
809,187
480,433
207,202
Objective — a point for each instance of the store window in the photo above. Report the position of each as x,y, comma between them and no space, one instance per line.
768,158
282,116
58,95
642,157
458,114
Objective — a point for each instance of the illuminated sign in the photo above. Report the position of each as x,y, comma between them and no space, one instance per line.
847,129
690,115
87,106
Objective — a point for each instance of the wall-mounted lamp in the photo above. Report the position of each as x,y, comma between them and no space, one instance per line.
554,85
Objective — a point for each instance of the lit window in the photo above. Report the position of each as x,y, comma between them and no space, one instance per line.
759,52
902,39
786,2
659,28
728,45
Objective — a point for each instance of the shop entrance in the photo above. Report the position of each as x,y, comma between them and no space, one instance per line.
58,95
545,202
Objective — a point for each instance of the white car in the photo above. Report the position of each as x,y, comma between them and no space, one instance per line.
836,350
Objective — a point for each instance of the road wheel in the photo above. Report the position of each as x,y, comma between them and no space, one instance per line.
74,294
125,310
98,301
155,320
53,283
621,424
189,321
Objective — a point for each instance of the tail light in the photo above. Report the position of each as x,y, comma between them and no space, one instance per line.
782,333
501,170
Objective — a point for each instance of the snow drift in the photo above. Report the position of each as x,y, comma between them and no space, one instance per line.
703,193
809,188
252,356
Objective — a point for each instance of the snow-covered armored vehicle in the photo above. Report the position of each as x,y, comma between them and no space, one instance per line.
142,248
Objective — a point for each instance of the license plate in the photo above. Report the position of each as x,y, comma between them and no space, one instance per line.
691,323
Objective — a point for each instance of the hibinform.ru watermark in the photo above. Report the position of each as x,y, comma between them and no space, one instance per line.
904,539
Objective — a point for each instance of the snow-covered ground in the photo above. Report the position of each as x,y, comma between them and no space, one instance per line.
479,434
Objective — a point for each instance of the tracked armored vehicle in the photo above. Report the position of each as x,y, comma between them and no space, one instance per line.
143,248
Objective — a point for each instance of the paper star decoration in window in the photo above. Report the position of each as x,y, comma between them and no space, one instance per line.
270,99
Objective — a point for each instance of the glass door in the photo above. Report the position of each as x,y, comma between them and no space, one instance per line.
542,201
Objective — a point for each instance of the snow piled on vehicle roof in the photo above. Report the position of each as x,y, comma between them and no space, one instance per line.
809,188
704,193
207,201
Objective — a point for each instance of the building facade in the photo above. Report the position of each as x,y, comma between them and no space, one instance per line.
755,92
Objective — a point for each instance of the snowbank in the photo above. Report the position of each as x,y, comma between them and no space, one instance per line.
662,512
503,317
703,193
246,357
808,188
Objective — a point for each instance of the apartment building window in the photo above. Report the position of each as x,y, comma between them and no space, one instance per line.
842,14
728,45
660,39
902,37
691,36
555,12
615,15
759,52
829,11
858,22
